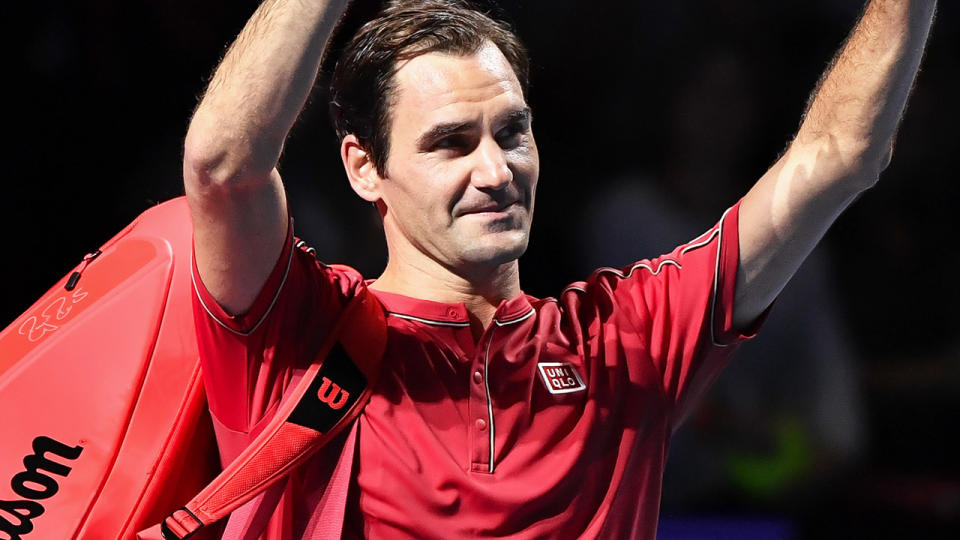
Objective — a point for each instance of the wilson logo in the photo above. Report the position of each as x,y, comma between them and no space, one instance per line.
560,377
325,403
331,394
35,484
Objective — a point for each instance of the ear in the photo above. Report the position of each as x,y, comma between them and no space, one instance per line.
361,171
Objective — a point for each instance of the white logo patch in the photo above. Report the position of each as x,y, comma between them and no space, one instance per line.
561,377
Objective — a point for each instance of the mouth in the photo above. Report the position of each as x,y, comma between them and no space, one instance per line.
500,204
493,208
508,212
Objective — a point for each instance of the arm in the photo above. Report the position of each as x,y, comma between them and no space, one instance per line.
843,143
236,137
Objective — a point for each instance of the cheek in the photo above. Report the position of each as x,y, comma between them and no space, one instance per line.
417,197
526,156
527,164
440,184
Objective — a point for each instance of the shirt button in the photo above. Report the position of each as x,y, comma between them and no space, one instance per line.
452,312
481,424
477,377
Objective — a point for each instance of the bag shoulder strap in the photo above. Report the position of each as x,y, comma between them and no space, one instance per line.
328,398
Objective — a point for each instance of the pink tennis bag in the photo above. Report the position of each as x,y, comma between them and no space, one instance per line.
105,426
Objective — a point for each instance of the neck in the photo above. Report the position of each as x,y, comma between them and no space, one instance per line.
480,289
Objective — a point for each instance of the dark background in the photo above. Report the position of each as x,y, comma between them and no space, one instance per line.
693,100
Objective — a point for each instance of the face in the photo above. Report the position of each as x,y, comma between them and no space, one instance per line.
460,178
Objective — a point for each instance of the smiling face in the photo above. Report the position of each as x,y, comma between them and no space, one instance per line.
458,186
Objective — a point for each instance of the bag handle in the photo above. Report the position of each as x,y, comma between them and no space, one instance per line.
328,398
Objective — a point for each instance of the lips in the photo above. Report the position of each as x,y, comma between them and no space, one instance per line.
491,208
498,202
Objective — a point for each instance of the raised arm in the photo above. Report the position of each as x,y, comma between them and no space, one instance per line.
843,144
236,137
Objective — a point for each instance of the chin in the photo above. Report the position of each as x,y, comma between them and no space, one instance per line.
488,252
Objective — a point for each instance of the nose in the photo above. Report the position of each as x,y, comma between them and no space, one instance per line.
491,170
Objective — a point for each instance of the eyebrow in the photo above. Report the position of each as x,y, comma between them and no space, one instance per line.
519,115
449,128
442,130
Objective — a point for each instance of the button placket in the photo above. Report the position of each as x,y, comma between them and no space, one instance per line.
481,426
486,386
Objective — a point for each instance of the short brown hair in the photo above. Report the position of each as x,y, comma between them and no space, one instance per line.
362,87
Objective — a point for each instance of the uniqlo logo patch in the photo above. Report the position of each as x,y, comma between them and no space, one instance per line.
561,377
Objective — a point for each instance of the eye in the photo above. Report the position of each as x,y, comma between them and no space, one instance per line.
513,135
458,142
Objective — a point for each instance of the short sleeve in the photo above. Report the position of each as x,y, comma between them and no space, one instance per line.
248,360
674,313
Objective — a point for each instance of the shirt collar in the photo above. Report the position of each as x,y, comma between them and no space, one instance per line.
429,311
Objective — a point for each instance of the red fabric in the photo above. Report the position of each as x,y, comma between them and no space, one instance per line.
644,341
249,360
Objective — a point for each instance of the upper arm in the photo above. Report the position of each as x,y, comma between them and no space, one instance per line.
238,232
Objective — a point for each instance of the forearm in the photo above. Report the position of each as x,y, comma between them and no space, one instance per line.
237,132
860,100
843,144
235,138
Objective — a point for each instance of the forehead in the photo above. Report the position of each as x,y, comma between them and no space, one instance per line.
437,84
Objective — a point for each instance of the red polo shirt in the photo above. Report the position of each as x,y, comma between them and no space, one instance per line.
554,423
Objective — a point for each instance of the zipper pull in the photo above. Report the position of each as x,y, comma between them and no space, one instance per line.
75,276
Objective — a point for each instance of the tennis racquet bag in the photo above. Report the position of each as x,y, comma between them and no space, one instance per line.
105,422
104,418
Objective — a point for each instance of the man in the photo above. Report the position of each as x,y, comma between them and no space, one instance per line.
496,414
